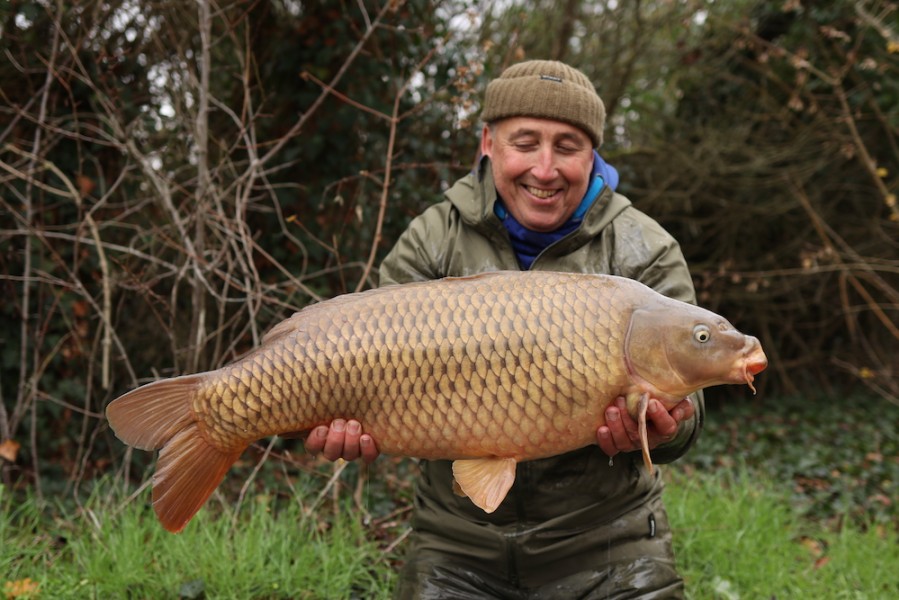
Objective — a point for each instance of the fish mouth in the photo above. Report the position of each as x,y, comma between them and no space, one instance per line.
754,362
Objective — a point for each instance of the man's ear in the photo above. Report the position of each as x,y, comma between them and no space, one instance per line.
487,142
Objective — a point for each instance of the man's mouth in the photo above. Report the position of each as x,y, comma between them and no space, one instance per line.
539,192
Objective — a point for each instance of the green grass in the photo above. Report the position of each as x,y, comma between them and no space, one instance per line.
790,498
736,536
268,554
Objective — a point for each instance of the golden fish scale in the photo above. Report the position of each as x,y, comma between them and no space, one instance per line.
499,365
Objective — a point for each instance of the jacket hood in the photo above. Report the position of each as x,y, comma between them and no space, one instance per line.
474,197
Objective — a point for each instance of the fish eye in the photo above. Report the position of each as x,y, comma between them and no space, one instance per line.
702,334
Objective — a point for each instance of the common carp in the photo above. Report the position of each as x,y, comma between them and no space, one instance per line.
487,371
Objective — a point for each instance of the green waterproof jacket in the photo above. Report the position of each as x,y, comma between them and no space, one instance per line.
582,489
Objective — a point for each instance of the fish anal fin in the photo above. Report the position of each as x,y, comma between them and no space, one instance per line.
187,472
486,481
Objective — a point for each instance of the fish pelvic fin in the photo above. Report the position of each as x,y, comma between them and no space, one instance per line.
160,415
485,481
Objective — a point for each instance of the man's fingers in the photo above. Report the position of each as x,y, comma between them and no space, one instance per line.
620,433
627,421
605,441
683,411
368,448
617,430
334,443
351,450
664,424
343,439
315,442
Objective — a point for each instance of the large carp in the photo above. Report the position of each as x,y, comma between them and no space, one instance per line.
487,371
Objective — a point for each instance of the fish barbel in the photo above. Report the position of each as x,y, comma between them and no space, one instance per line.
487,371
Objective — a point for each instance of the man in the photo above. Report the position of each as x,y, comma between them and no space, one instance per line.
589,523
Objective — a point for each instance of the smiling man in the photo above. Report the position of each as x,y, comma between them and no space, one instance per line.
590,523
541,169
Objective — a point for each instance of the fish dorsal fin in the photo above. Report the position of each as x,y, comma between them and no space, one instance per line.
486,481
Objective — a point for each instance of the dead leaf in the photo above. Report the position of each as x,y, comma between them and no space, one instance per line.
23,588
882,499
9,449
86,185
815,547
80,308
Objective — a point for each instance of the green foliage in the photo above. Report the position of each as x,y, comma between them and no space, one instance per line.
736,535
835,459
790,497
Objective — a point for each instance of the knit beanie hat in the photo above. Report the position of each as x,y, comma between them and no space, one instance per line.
546,89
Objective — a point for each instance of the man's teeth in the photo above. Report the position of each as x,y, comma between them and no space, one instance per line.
540,193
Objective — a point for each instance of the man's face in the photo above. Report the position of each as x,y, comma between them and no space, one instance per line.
541,168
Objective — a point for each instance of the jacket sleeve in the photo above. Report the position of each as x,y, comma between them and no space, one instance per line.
644,251
418,253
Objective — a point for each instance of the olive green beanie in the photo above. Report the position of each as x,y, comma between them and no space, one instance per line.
546,89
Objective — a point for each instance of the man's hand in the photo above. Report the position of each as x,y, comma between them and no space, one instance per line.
619,434
343,439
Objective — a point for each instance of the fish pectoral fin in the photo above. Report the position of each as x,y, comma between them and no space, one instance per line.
486,481
641,428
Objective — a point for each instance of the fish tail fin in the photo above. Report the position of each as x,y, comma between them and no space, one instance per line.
187,472
189,468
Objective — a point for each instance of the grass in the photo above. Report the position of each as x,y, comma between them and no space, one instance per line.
737,537
790,498
266,554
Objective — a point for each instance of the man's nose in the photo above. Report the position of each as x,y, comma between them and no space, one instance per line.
544,168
